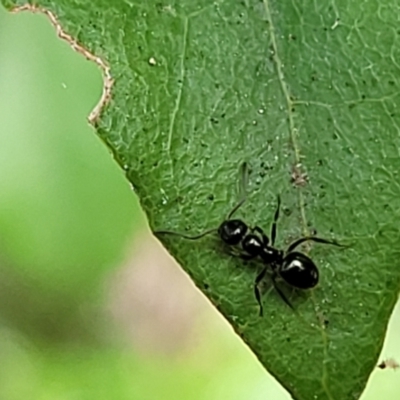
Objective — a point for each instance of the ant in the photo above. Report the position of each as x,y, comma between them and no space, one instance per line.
294,268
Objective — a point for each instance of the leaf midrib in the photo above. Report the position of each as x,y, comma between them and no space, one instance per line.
294,140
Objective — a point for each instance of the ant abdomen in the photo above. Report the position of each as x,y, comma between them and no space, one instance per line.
299,271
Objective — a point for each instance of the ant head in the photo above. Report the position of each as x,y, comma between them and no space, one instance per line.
232,231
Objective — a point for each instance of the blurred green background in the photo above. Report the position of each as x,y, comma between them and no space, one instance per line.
90,305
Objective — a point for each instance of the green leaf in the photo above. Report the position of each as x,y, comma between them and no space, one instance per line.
307,93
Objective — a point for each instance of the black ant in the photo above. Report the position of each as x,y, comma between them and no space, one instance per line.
294,268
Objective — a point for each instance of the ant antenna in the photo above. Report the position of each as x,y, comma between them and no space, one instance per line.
238,205
185,236
244,180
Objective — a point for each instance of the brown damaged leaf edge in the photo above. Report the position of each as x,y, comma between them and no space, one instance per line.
108,81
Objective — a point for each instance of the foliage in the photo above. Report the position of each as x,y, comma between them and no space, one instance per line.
306,93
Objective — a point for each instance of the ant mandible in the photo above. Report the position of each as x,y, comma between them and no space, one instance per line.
294,268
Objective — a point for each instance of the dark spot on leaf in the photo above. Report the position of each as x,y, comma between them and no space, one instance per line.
214,120
391,83
363,96
211,197
313,232
206,286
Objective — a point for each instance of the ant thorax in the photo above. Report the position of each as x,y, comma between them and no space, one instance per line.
252,245
271,255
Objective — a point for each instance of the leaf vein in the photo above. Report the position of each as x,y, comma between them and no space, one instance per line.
181,83
293,138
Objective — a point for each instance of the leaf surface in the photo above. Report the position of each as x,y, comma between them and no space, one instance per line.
307,93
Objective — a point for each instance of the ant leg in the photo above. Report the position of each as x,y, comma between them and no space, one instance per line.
257,293
276,216
241,254
263,235
185,236
246,257
311,239
284,298
244,178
